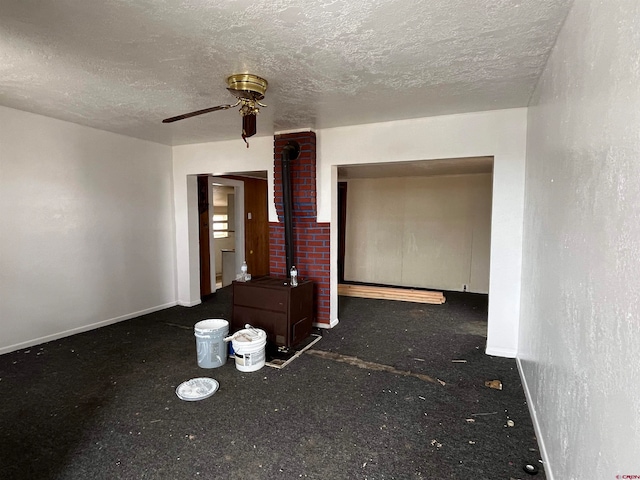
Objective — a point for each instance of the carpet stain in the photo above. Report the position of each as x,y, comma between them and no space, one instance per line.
178,326
418,313
378,367
474,328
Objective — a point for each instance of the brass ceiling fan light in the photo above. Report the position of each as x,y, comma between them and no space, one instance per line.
249,89
246,84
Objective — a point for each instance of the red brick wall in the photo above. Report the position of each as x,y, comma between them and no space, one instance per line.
311,239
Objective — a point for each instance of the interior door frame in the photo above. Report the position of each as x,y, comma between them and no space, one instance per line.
238,190
204,197
342,227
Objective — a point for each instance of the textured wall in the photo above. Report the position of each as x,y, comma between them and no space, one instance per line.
87,228
579,338
500,134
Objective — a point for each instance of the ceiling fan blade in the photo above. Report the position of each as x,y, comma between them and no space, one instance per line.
197,112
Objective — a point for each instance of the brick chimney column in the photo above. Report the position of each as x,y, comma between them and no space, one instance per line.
311,239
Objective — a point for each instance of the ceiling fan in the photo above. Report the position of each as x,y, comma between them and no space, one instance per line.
249,90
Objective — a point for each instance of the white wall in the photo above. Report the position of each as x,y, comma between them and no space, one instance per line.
227,243
580,330
501,134
430,231
86,234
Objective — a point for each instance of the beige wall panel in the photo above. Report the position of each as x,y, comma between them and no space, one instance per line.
436,251
430,232
374,231
481,241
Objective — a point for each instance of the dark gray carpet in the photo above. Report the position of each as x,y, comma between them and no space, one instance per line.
102,404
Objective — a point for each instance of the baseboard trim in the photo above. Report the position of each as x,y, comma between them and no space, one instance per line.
332,324
536,424
501,352
189,304
83,328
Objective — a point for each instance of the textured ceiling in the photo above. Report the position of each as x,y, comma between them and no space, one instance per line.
124,65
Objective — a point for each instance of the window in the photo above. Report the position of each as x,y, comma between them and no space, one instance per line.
220,226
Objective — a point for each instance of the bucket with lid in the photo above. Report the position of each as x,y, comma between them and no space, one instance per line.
249,349
210,344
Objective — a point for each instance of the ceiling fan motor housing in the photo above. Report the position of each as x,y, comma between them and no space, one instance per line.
246,82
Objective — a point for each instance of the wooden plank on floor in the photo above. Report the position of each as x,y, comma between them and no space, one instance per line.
390,293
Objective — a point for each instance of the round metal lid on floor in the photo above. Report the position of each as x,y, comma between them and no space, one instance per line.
197,389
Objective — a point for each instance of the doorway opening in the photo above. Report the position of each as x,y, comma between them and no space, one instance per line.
418,225
233,227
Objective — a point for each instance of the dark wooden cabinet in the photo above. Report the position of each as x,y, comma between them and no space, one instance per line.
271,304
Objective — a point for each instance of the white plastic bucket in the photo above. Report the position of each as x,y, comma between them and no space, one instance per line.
210,344
248,347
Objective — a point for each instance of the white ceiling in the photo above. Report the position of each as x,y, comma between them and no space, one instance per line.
124,65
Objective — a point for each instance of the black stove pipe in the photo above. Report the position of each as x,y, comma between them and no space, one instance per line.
289,153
